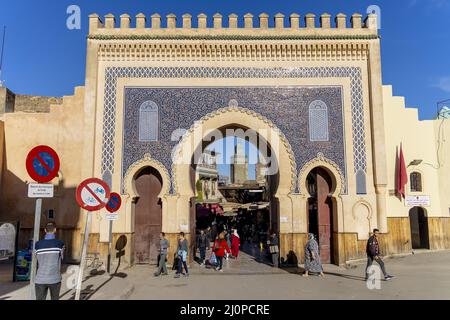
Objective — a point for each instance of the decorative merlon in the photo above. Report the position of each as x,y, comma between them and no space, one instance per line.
279,21
141,20
187,21
156,21
325,21
110,21
294,21
202,21
248,21
243,24
371,22
171,21
94,22
310,21
125,21
233,21
217,18
263,21
341,21
356,21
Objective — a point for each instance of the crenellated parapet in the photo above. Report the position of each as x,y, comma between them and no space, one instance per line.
323,26
234,38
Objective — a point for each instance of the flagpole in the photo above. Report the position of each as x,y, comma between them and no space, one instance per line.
1,55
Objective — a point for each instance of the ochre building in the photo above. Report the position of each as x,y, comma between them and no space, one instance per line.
310,86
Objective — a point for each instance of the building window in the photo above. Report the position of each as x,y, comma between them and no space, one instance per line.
416,182
318,121
148,122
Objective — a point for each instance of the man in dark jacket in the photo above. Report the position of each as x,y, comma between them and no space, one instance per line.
373,253
49,254
203,244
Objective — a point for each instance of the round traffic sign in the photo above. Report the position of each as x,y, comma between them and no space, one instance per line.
42,164
114,203
93,194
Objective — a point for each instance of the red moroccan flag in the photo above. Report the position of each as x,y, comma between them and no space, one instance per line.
402,175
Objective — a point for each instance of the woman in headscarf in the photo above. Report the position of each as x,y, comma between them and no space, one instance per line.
312,257
235,243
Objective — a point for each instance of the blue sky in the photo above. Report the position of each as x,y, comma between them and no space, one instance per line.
43,57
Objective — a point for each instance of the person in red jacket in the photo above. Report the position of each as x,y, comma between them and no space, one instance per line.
219,248
235,243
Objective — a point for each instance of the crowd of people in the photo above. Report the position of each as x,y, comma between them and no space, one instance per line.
224,245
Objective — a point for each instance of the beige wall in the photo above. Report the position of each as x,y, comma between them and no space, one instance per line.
420,141
60,129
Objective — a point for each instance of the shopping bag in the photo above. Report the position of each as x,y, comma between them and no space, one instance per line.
213,259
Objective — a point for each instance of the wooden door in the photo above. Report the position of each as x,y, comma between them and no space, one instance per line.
148,216
325,215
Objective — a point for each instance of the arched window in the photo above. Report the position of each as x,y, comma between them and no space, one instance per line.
148,122
416,182
318,121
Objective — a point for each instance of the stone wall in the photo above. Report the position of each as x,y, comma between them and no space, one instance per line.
11,102
35,104
6,100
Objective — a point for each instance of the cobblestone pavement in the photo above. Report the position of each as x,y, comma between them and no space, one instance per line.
419,276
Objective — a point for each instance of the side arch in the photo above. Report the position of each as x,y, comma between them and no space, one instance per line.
135,168
338,180
362,214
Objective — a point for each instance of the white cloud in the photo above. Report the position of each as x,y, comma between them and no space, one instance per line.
443,83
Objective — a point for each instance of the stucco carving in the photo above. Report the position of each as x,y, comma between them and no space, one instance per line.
146,161
322,161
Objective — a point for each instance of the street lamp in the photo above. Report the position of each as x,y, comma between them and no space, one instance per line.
415,163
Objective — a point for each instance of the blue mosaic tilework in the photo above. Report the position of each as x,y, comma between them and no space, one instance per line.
181,107
113,73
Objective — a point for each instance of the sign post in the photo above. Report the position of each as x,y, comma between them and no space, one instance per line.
113,206
92,195
42,165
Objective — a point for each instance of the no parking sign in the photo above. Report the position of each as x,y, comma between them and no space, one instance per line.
42,164
115,201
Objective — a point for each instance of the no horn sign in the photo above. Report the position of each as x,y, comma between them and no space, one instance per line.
93,194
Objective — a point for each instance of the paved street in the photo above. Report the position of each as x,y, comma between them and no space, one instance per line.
420,276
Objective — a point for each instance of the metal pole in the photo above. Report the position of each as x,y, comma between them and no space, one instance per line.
37,228
16,250
110,246
83,256
1,54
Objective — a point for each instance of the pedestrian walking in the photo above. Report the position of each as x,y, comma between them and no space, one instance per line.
235,243
182,251
219,248
49,254
209,234
312,257
162,258
274,248
228,240
202,244
373,254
